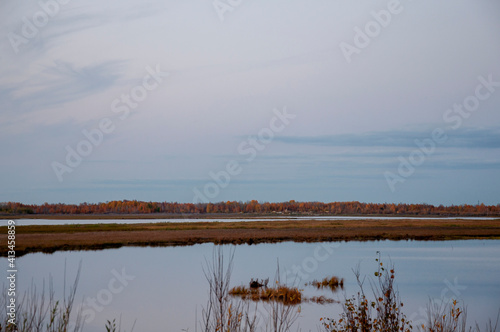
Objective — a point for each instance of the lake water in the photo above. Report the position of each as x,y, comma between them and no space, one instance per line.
164,288
22,222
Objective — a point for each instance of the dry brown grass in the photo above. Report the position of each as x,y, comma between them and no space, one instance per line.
101,236
333,283
281,293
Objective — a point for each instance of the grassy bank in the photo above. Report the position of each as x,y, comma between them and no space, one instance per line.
50,238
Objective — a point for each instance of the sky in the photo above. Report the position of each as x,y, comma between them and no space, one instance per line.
197,101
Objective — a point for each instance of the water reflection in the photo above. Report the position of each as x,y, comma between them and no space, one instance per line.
165,288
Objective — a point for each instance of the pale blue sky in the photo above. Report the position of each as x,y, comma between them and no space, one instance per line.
354,118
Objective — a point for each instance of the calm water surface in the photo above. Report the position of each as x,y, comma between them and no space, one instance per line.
164,289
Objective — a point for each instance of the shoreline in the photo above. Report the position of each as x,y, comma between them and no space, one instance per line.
154,216
51,238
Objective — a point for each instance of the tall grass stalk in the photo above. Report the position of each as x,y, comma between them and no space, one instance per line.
449,317
225,314
222,313
39,311
281,316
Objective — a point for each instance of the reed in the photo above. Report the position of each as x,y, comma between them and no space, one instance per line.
40,311
224,313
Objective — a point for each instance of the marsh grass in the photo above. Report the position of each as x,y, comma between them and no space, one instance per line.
449,317
383,313
224,313
282,293
333,283
221,314
104,236
110,326
40,311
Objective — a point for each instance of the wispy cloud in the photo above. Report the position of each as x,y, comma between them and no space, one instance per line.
59,83
464,165
472,138
74,18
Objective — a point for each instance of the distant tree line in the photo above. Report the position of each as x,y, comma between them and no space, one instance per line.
253,207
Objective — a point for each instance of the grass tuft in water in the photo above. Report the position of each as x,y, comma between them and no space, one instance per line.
333,283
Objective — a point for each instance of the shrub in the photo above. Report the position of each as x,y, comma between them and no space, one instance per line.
383,313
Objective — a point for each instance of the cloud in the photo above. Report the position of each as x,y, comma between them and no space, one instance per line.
471,138
68,20
464,165
60,83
